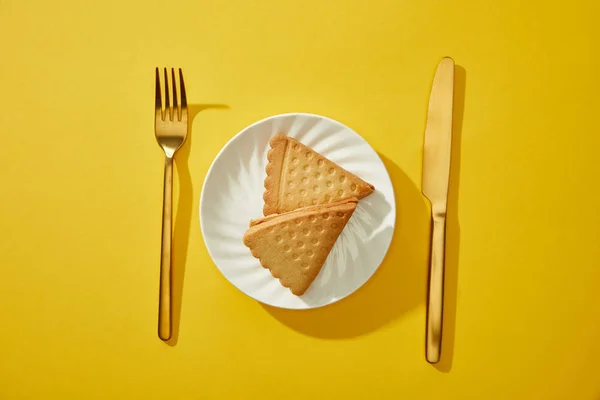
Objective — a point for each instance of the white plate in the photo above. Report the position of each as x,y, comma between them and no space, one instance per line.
232,195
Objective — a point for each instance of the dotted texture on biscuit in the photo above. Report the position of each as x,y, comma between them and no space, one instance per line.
302,177
295,247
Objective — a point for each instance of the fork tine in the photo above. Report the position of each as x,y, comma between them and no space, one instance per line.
168,110
183,97
157,100
176,114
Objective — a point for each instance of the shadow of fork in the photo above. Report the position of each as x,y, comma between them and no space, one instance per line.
183,219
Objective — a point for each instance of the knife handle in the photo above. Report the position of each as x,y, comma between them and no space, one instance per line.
435,306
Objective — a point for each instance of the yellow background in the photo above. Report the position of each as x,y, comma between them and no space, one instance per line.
82,190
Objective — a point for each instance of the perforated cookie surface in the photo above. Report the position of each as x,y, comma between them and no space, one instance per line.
298,176
294,246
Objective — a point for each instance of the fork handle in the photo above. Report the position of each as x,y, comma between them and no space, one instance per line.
164,301
435,305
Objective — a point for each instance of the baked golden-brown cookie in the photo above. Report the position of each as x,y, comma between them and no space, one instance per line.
298,176
254,222
295,245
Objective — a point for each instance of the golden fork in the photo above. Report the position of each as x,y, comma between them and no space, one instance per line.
170,127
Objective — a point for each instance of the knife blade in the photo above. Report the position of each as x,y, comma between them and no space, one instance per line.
436,174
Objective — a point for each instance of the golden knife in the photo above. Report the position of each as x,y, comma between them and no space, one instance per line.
436,174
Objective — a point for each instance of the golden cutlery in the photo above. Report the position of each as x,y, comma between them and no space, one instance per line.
436,174
170,127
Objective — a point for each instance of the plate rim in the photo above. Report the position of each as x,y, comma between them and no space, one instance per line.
224,148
